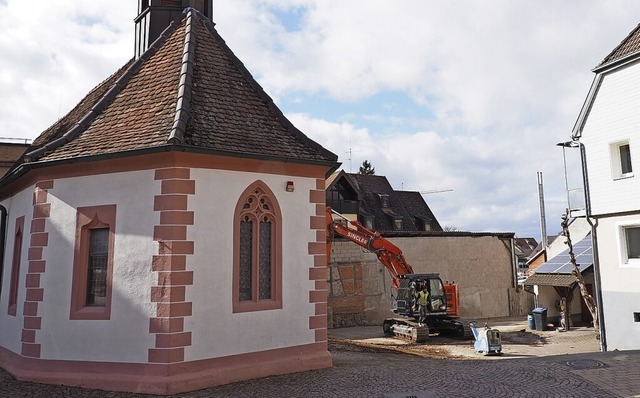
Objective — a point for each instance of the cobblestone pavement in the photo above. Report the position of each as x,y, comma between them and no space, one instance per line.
361,372
388,375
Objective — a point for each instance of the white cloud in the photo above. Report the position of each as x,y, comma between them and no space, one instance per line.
53,53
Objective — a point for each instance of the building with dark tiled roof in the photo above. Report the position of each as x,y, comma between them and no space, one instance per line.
418,211
167,234
371,200
524,248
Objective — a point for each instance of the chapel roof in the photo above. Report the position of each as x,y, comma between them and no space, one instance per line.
188,90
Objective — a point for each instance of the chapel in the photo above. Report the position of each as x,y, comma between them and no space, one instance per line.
167,234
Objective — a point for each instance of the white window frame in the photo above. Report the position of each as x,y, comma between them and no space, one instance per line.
616,160
623,250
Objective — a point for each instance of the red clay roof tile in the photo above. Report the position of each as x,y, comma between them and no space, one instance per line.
223,108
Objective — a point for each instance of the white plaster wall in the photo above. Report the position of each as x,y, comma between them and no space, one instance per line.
614,117
125,337
11,326
216,331
620,286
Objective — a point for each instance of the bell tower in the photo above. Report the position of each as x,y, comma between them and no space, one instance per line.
154,16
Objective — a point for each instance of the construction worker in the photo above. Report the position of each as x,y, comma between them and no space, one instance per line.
423,301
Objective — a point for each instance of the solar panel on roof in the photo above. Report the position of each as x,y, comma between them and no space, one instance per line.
561,264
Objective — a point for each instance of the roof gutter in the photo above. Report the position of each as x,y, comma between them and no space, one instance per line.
594,238
617,63
24,168
575,143
3,239
576,133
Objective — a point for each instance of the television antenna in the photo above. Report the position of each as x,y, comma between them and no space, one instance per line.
429,191
350,151
435,191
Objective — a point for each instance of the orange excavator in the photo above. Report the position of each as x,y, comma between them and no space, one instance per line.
443,301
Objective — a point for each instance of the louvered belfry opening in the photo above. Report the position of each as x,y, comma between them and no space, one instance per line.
154,16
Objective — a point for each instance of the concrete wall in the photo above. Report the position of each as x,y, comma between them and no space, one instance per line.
360,286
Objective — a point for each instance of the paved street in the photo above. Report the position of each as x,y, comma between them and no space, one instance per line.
373,373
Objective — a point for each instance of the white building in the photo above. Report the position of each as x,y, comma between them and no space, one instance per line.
608,135
167,234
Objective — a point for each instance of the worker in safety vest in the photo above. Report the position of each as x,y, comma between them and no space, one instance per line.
423,296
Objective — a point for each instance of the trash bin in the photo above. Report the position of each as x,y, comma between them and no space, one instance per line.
530,322
540,318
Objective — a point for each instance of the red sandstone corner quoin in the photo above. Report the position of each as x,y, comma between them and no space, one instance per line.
170,293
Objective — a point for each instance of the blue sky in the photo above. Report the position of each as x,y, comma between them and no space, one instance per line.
468,97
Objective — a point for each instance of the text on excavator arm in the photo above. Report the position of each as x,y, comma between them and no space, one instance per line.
388,253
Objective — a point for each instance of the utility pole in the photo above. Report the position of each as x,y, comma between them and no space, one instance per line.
543,222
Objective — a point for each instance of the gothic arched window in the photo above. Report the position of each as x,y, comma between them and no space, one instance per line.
257,250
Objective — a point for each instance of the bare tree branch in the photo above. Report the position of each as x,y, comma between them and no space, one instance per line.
588,298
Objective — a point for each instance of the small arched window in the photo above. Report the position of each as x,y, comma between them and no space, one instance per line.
257,250
15,266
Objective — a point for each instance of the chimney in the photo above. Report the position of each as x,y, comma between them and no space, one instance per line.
154,16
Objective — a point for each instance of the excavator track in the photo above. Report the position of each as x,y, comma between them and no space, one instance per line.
467,333
406,330
457,328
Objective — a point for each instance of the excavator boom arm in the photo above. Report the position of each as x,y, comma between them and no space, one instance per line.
388,254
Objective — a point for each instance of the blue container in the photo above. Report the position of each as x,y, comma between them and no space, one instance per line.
540,317
530,322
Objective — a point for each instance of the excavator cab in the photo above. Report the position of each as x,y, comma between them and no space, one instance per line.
410,284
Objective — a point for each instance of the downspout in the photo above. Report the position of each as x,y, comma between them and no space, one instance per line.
514,270
3,239
594,239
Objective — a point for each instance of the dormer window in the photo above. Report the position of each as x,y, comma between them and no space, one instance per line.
384,200
397,224
423,223
367,221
